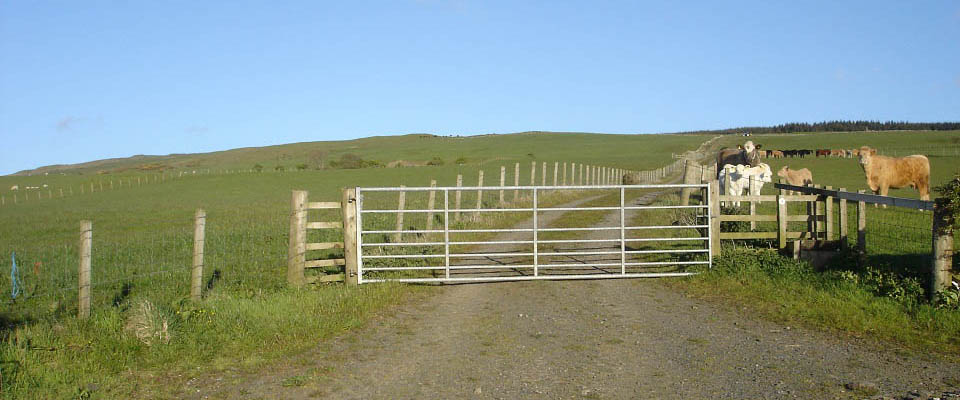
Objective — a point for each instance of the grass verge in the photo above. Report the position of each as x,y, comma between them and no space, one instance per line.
789,291
108,356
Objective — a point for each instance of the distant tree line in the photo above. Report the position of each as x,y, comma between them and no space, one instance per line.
839,126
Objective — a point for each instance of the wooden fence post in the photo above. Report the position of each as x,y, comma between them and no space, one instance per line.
687,178
458,196
86,245
348,206
503,181
556,164
479,194
296,251
516,182
726,184
782,222
564,175
543,175
533,173
581,174
940,274
196,278
714,218
818,207
828,211
861,231
844,224
431,201
401,204
753,205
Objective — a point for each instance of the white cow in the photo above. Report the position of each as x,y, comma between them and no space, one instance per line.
740,176
15,187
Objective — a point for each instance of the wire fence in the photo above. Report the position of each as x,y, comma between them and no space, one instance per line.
245,251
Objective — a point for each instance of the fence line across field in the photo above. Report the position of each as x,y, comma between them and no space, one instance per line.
580,174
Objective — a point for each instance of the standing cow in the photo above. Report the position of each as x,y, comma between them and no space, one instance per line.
746,156
740,178
884,172
796,177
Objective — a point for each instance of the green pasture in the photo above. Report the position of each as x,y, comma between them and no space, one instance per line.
142,250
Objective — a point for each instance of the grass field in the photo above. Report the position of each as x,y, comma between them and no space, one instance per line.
143,248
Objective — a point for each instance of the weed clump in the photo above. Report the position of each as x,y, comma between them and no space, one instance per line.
148,324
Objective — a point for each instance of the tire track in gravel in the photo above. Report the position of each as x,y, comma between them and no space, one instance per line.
614,338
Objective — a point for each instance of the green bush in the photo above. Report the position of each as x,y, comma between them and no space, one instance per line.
302,167
258,167
436,161
353,161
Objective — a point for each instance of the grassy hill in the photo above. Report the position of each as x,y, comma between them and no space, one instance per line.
385,149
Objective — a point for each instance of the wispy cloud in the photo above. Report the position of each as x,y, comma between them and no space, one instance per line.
840,74
196,129
67,123
71,122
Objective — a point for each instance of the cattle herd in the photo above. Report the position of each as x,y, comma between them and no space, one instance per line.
801,153
736,168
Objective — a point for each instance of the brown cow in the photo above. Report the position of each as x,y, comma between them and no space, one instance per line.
776,154
796,177
745,156
884,172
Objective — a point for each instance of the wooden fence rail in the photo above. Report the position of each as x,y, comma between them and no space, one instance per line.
297,261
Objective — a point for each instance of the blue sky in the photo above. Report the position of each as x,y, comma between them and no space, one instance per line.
85,80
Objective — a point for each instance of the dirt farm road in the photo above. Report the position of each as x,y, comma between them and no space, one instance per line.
598,339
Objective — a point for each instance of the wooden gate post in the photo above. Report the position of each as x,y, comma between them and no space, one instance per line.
86,244
196,277
861,231
752,187
828,211
726,184
781,221
348,207
844,224
296,252
714,218
940,273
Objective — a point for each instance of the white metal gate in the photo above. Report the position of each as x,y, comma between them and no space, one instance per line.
524,239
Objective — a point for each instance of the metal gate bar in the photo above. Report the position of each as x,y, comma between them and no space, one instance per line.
533,265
